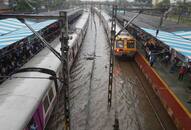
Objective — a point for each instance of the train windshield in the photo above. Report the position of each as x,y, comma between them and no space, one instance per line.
119,44
131,44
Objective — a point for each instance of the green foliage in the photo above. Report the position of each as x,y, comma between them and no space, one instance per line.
163,3
54,4
27,5
144,1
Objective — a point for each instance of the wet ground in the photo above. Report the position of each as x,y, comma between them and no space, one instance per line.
89,80
134,103
149,21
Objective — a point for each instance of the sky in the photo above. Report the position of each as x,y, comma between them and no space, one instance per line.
96,0
103,0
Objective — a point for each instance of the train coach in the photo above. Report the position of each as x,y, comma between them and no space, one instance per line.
28,99
125,45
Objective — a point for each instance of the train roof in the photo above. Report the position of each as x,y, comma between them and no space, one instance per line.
128,37
108,19
19,98
82,21
79,26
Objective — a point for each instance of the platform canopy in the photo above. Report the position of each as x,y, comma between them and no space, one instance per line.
10,25
184,34
174,41
12,30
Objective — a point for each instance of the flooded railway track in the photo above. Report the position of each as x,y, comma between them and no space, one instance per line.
141,83
89,78
147,110
92,72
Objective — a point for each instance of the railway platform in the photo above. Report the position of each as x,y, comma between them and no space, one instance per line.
181,88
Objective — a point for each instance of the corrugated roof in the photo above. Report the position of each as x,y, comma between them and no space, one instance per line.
9,25
184,34
174,41
19,31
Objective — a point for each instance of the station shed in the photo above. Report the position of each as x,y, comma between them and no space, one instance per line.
179,43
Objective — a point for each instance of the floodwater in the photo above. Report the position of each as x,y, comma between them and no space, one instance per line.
89,81
132,94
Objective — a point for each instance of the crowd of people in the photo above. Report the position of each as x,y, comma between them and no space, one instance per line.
156,51
16,55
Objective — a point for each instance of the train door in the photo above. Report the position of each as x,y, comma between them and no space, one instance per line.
48,102
125,44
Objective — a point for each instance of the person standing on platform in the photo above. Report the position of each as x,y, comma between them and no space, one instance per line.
182,72
152,58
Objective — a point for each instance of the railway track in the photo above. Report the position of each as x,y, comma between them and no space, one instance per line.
92,73
141,83
136,92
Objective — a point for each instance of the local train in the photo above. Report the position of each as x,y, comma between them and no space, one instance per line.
26,102
125,44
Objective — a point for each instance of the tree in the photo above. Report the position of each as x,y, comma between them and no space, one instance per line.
143,1
27,5
164,3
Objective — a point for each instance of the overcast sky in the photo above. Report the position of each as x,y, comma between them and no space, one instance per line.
96,0
103,0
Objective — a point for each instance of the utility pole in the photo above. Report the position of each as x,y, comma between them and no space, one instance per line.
180,12
65,68
124,9
111,63
181,9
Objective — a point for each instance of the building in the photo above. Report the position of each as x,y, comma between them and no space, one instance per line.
5,6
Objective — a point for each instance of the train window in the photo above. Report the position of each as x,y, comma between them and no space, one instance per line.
130,45
130,41
51,94
119,44
46,104
32,125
